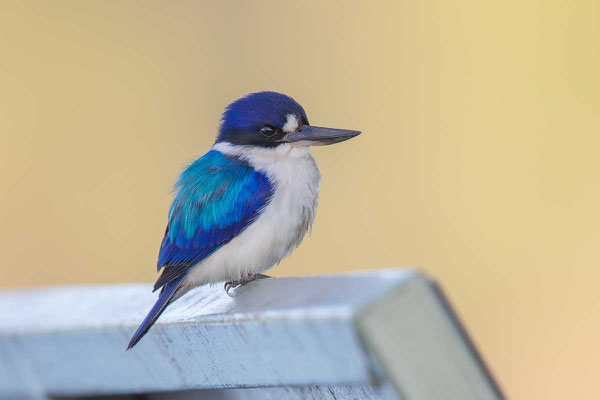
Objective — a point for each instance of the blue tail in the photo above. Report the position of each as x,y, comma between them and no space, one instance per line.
160,305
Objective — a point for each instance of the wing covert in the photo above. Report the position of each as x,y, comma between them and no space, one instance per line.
216,198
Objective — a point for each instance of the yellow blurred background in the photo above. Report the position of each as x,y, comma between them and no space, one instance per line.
478,161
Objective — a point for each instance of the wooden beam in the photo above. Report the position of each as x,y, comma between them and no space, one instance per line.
388,329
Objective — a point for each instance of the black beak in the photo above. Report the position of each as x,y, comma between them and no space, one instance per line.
319,136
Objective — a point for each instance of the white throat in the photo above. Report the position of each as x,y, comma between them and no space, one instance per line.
259,157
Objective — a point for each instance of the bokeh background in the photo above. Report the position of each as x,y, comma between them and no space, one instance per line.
478,161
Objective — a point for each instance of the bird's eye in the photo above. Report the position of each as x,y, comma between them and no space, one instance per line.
267,131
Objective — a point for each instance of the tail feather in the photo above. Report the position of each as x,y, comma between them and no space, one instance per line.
163,301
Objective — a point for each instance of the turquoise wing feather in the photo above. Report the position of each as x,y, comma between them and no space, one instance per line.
216,198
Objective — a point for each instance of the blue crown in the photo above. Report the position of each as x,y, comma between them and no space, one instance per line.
252,112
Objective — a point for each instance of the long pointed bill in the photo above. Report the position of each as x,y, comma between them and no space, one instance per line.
319,136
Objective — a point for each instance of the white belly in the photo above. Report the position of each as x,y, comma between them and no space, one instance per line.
279,228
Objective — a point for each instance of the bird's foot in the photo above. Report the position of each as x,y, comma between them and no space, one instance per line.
234,284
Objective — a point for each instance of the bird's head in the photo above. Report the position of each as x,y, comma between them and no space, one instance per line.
270,119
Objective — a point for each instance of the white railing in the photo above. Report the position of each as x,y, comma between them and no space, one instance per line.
377,335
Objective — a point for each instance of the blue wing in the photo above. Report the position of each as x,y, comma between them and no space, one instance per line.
216,198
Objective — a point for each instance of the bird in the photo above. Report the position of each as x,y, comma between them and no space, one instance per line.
244,205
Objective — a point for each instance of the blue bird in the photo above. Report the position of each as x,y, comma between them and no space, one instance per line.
246,204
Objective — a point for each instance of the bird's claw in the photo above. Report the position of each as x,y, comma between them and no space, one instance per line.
234,284
231,285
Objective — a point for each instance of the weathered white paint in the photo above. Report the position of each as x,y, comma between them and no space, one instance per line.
327,331
341,392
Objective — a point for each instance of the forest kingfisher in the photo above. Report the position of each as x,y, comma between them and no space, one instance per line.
246,204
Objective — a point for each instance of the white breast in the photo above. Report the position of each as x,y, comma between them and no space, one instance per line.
279,228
